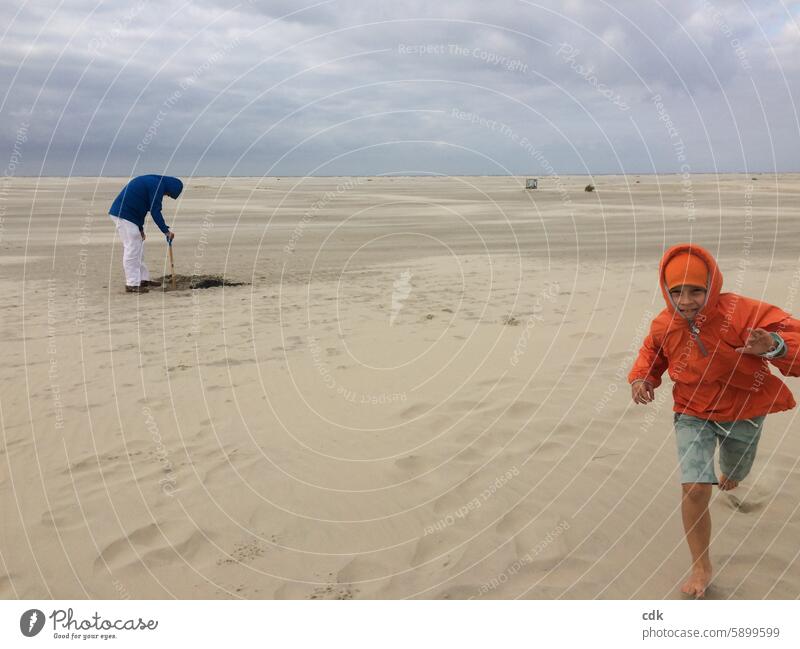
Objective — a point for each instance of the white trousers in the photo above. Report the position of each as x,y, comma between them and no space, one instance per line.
133,252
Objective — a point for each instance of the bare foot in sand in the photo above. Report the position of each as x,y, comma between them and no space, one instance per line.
697,584
726,484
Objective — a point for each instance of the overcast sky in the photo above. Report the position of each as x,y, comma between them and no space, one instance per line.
407,86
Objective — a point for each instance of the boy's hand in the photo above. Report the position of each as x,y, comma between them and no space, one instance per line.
760,341
642,392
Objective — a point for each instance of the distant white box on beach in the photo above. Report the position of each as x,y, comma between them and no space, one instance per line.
532,183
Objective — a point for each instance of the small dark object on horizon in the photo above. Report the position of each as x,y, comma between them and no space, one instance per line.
588,188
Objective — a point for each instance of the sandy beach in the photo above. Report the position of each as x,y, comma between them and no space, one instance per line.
419,391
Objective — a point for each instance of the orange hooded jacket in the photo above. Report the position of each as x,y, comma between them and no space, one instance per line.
711,379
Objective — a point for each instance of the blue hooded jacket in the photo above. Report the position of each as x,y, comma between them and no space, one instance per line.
144,194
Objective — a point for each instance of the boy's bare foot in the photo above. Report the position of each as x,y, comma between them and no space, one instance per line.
726,484
697,584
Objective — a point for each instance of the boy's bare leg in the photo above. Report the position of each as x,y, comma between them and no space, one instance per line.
697,524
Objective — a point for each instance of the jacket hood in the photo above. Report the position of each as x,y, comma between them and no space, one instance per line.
172,186
713,284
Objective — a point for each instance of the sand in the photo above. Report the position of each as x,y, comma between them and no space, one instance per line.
418,392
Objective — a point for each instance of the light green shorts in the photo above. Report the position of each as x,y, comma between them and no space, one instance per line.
697,440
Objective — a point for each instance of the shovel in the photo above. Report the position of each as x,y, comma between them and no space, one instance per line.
171,263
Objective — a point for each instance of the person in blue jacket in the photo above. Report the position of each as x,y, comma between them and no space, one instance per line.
141,195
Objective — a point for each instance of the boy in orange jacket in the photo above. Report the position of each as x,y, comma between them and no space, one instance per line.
716,347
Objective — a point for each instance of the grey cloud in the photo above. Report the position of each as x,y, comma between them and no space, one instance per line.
180,77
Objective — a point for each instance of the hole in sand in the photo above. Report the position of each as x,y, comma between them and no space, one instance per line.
185,282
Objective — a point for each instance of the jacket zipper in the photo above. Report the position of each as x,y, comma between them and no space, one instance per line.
694,330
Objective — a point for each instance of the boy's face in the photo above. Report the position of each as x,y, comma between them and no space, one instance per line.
689,299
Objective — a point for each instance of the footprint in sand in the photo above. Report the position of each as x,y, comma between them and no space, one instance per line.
106,461
566,428
436,549
498,382
152,545
410,463
542,542
68,517
7,586
452,500
522,408
294,590
463,406
226,362
747,503
361,569
470,455
548,450
585,364
742,562
464,591
587,335
415,411
226,463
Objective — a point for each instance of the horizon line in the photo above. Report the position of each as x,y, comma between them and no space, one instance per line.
428,175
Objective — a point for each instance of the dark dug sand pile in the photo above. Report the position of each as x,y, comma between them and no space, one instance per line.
186,282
